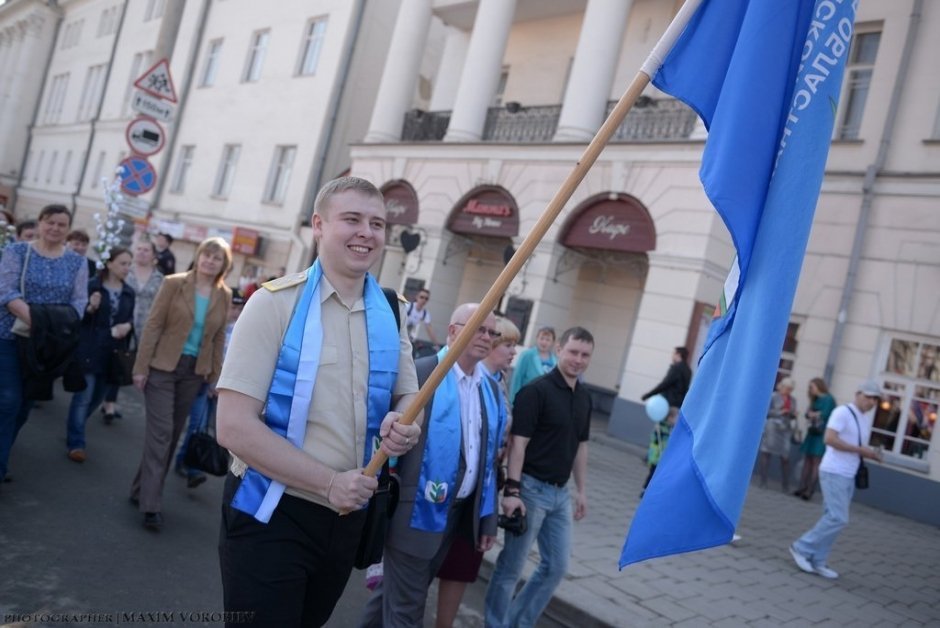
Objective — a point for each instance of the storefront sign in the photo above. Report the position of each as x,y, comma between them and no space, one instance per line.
619,224
245,241
489,211
401,203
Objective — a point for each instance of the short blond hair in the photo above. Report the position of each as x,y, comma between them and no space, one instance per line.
215,245
508,332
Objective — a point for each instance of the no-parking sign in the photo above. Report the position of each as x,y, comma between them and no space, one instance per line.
138,175
145,136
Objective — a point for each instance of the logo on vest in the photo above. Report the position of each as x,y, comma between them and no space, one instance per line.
435,492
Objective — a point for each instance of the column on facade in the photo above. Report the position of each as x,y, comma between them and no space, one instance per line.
399,79
592,73
23,55
448,70
480,76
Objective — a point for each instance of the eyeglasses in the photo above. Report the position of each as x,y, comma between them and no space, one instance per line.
483,329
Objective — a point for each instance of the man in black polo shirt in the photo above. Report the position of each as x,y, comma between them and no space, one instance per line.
550,429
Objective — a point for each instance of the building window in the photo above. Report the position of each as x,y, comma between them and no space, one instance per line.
65,167
861,63
211,64
98,171
259,45
91,92
226,174
313,43
108,22
788,353
905,420
139,64
51,168
42,158
279,176
56,98
71,34
182,169
154,9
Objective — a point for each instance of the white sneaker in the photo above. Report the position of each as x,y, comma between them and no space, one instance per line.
825,572
802,561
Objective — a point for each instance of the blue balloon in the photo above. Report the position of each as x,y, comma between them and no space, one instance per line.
657,408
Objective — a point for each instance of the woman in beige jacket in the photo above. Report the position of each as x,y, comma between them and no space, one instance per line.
180,348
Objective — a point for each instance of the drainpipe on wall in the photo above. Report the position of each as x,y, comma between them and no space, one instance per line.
868,190
94,120
183,96
54,5
315,179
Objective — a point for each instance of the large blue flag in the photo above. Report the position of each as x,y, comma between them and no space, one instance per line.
765,76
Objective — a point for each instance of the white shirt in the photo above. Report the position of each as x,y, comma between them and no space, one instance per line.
468,390
415,318
845,463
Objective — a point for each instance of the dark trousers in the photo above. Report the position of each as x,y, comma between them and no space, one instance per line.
292,570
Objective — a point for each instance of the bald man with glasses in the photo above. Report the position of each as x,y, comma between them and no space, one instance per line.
448,481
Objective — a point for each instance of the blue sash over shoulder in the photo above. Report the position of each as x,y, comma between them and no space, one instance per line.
288,401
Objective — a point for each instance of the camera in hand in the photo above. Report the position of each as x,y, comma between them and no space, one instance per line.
515,524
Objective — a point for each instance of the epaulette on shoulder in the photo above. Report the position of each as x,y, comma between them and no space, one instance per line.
402,298
287,281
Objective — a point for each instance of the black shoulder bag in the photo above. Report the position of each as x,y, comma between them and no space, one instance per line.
383,502
861,476
204,452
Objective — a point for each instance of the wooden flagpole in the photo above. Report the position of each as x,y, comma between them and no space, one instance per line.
570,184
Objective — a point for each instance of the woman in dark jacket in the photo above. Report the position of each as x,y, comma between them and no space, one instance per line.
105,326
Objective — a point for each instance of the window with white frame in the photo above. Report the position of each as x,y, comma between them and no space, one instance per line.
42,158
71,34
259,45
107,23
91,92
65,167
910,380
211,64
98,171
313,43
859,68
154,9
52,161
183,164
279,176
56,98
226,174
139,64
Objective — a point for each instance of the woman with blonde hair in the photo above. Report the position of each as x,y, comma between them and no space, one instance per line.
180,348
778,431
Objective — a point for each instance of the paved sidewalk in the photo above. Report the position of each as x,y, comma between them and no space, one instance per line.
888,565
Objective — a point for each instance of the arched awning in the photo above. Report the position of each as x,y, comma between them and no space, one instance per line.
610,221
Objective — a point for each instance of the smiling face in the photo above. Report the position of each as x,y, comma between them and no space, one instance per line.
350,231
574,357
54,228
544,341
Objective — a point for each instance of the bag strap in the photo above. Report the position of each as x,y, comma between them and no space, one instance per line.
392,297
858,429
29,247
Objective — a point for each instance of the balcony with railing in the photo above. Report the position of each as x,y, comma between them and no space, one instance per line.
649,121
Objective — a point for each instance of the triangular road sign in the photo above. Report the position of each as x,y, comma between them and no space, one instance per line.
157,82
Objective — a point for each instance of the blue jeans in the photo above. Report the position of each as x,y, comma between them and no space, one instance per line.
548,514
83,404
198,416
14,410
837,491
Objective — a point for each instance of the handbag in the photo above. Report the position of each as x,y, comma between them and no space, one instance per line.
378,514
20,327
121,366
861,476
204,452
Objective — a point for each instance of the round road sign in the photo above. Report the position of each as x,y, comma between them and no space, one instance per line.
145,136
138,175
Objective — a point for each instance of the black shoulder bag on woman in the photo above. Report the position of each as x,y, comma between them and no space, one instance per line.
861,476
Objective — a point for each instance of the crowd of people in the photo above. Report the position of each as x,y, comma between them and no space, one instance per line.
311,376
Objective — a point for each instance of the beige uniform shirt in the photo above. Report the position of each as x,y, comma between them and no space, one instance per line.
336,422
